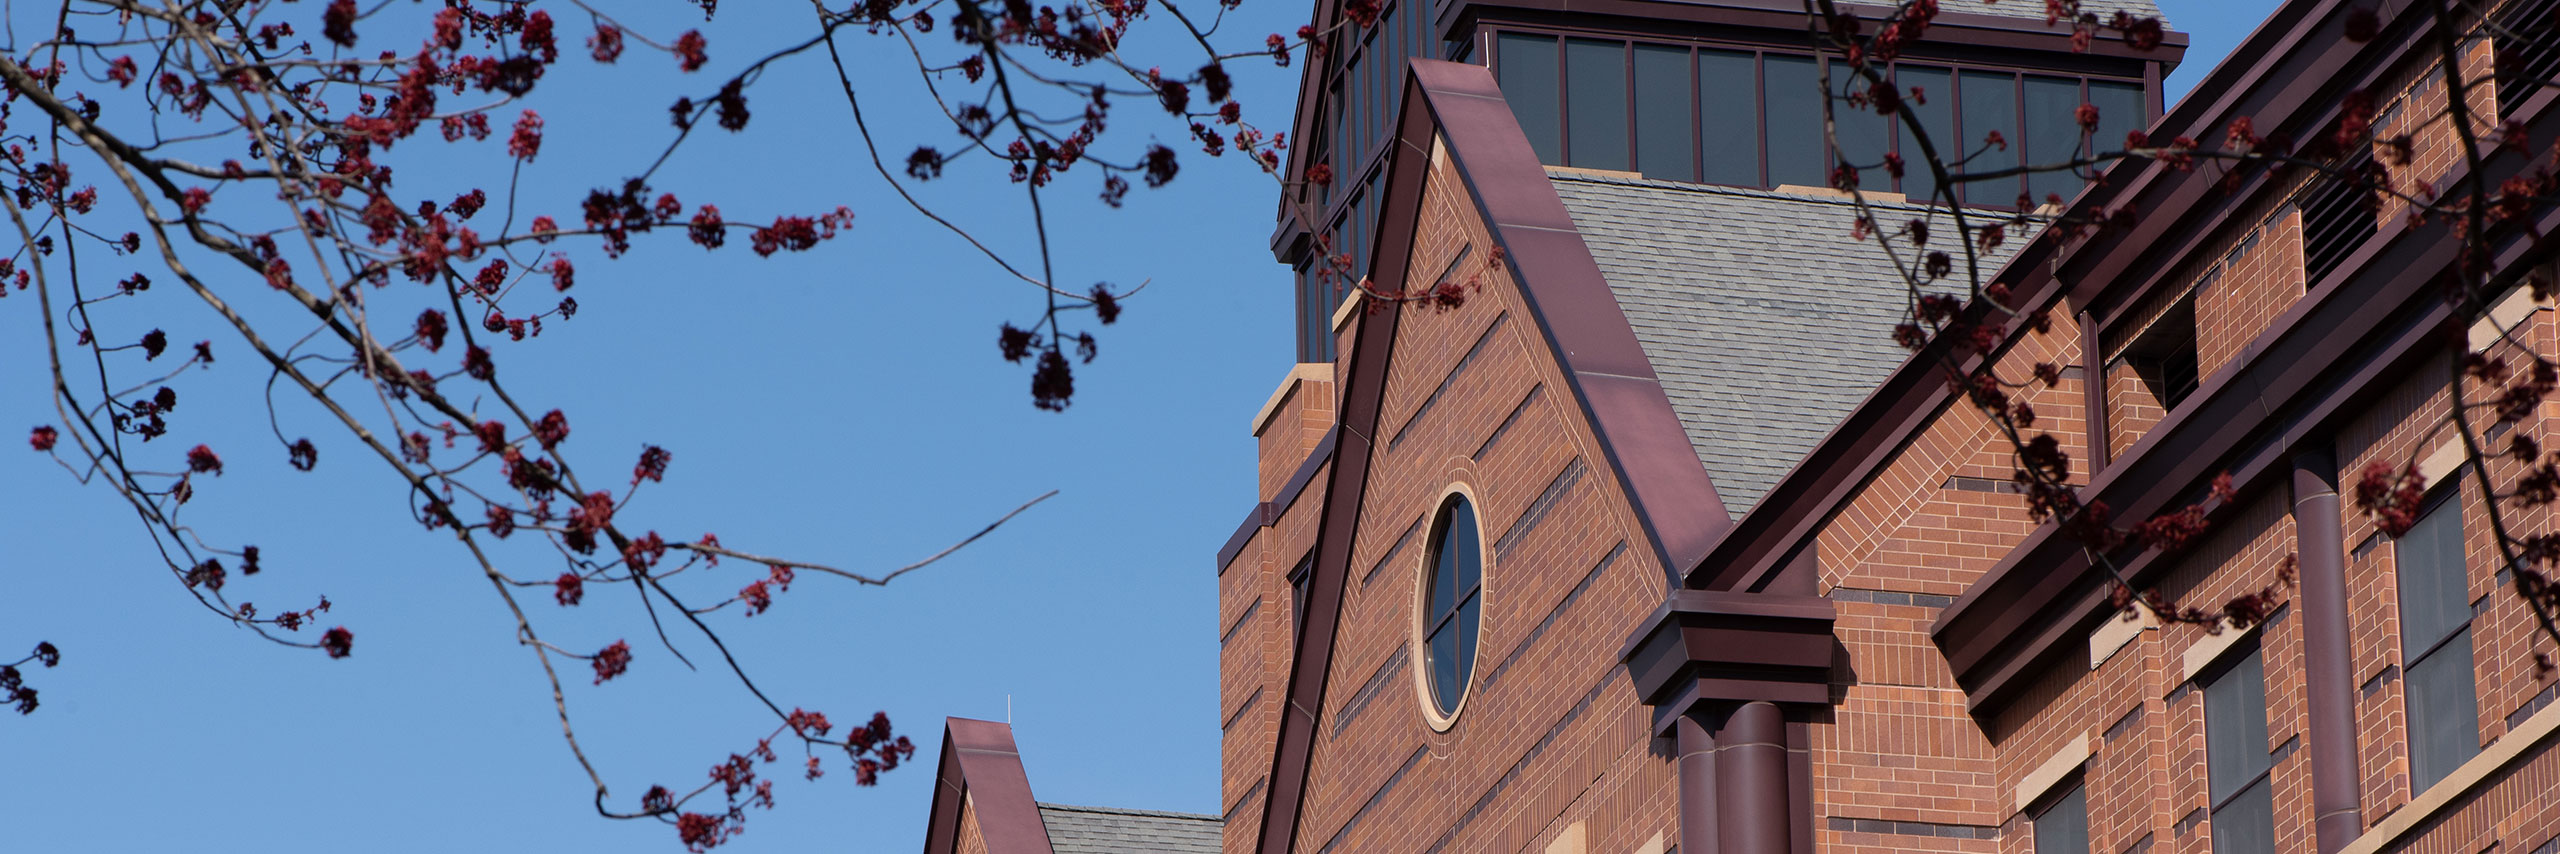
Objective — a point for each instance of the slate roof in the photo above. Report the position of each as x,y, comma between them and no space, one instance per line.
2104,9
1103,830
1766,324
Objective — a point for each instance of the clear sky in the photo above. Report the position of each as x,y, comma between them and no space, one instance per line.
844,406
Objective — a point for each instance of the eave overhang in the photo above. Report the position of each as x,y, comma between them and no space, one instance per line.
1719,648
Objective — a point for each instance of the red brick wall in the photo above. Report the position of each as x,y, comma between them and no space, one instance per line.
1900,765
2260,277
1551,735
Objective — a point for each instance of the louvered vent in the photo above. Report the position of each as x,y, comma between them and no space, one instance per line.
2526,42
2337,216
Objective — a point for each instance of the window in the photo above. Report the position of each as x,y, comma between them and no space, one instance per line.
1938,117
1452,603
2236,763
1663,124
1528,75
2063,826
1595,80
1794,119
1990,104
2163,355
1728,117
1752,118
2053,135
1300,578
2435,642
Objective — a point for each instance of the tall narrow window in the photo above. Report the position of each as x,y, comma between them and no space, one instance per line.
2062,827
1453,603
1862,135
2435,642
1990,105
1729,117
1595,104
1663,124
1792,93
2236,764
1528,76
2053,136
2121,109
1938,117
1300,580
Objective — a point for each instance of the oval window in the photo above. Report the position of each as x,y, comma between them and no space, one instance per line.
1453,603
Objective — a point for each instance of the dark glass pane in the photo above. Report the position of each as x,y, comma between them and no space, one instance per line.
1444,571
1990,104
1937,117
1663,128
1729,117
1465,629
2121,109
1464,543
1445,679
1527,66
2053,135
2435,596
2444,711
1863,136
2235,724
1310,301
2246,825
1792,93
1595,104
2063,828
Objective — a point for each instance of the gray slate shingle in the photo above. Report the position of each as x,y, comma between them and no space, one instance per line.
1103,830
2104,9
1766,324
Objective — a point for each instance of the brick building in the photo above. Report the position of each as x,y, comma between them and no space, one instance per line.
1657,542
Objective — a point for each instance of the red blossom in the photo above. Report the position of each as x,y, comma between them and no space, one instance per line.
476,364
652,466
194,199
201,459
431,329
568,589
707,229
338,22
303,455
563,274
612,661
526,141
606,45
338,641
552,429
689,49
42,438
544,227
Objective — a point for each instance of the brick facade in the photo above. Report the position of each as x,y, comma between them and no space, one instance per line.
1553,750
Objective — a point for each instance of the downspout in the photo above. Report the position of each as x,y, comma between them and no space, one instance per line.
1751,782
2320,543
1697,786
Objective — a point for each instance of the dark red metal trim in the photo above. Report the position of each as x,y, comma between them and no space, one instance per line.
1363,390
981,766
2328,674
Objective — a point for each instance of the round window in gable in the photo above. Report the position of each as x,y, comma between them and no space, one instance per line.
1452,602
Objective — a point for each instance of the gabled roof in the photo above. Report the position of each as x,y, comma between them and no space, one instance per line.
1103,830
1765,322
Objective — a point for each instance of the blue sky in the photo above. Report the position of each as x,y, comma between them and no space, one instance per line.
844,406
